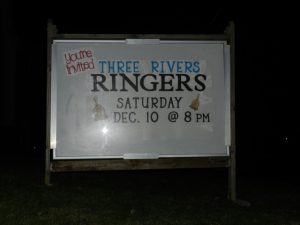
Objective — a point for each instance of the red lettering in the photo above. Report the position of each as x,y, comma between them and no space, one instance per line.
79,61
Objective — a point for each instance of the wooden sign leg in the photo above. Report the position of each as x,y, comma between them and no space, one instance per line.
232,176
47,167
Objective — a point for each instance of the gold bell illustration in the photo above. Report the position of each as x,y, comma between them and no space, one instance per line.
195,103
98,111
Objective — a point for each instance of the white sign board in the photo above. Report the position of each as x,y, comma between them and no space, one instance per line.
139,99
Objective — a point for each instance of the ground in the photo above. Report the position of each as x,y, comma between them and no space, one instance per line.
142,197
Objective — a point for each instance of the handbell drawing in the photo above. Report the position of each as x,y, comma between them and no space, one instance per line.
195,103
98,111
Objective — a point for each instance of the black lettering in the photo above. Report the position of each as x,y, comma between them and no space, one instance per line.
171,103
135,99
97,83
124,117
135,85
120,103
127,104
113,82
154,84
132,117
163,102
200,85
117,117
183,79
154,102
164,82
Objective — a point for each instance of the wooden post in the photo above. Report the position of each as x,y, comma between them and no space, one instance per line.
51,31
232,176
48,167
232,166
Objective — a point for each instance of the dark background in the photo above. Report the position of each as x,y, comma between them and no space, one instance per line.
266,86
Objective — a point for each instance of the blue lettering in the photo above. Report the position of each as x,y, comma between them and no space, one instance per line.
102,66
136,66
179,67
121,66
188,67
171,65
162,66
111,67
154,66
196,67
128,66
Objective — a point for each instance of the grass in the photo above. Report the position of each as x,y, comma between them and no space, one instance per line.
142,197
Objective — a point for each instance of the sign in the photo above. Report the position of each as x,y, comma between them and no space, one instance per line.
139,99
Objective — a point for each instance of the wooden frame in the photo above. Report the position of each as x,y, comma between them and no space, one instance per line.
162,163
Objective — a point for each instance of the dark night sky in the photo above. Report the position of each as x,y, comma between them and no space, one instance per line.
265,76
